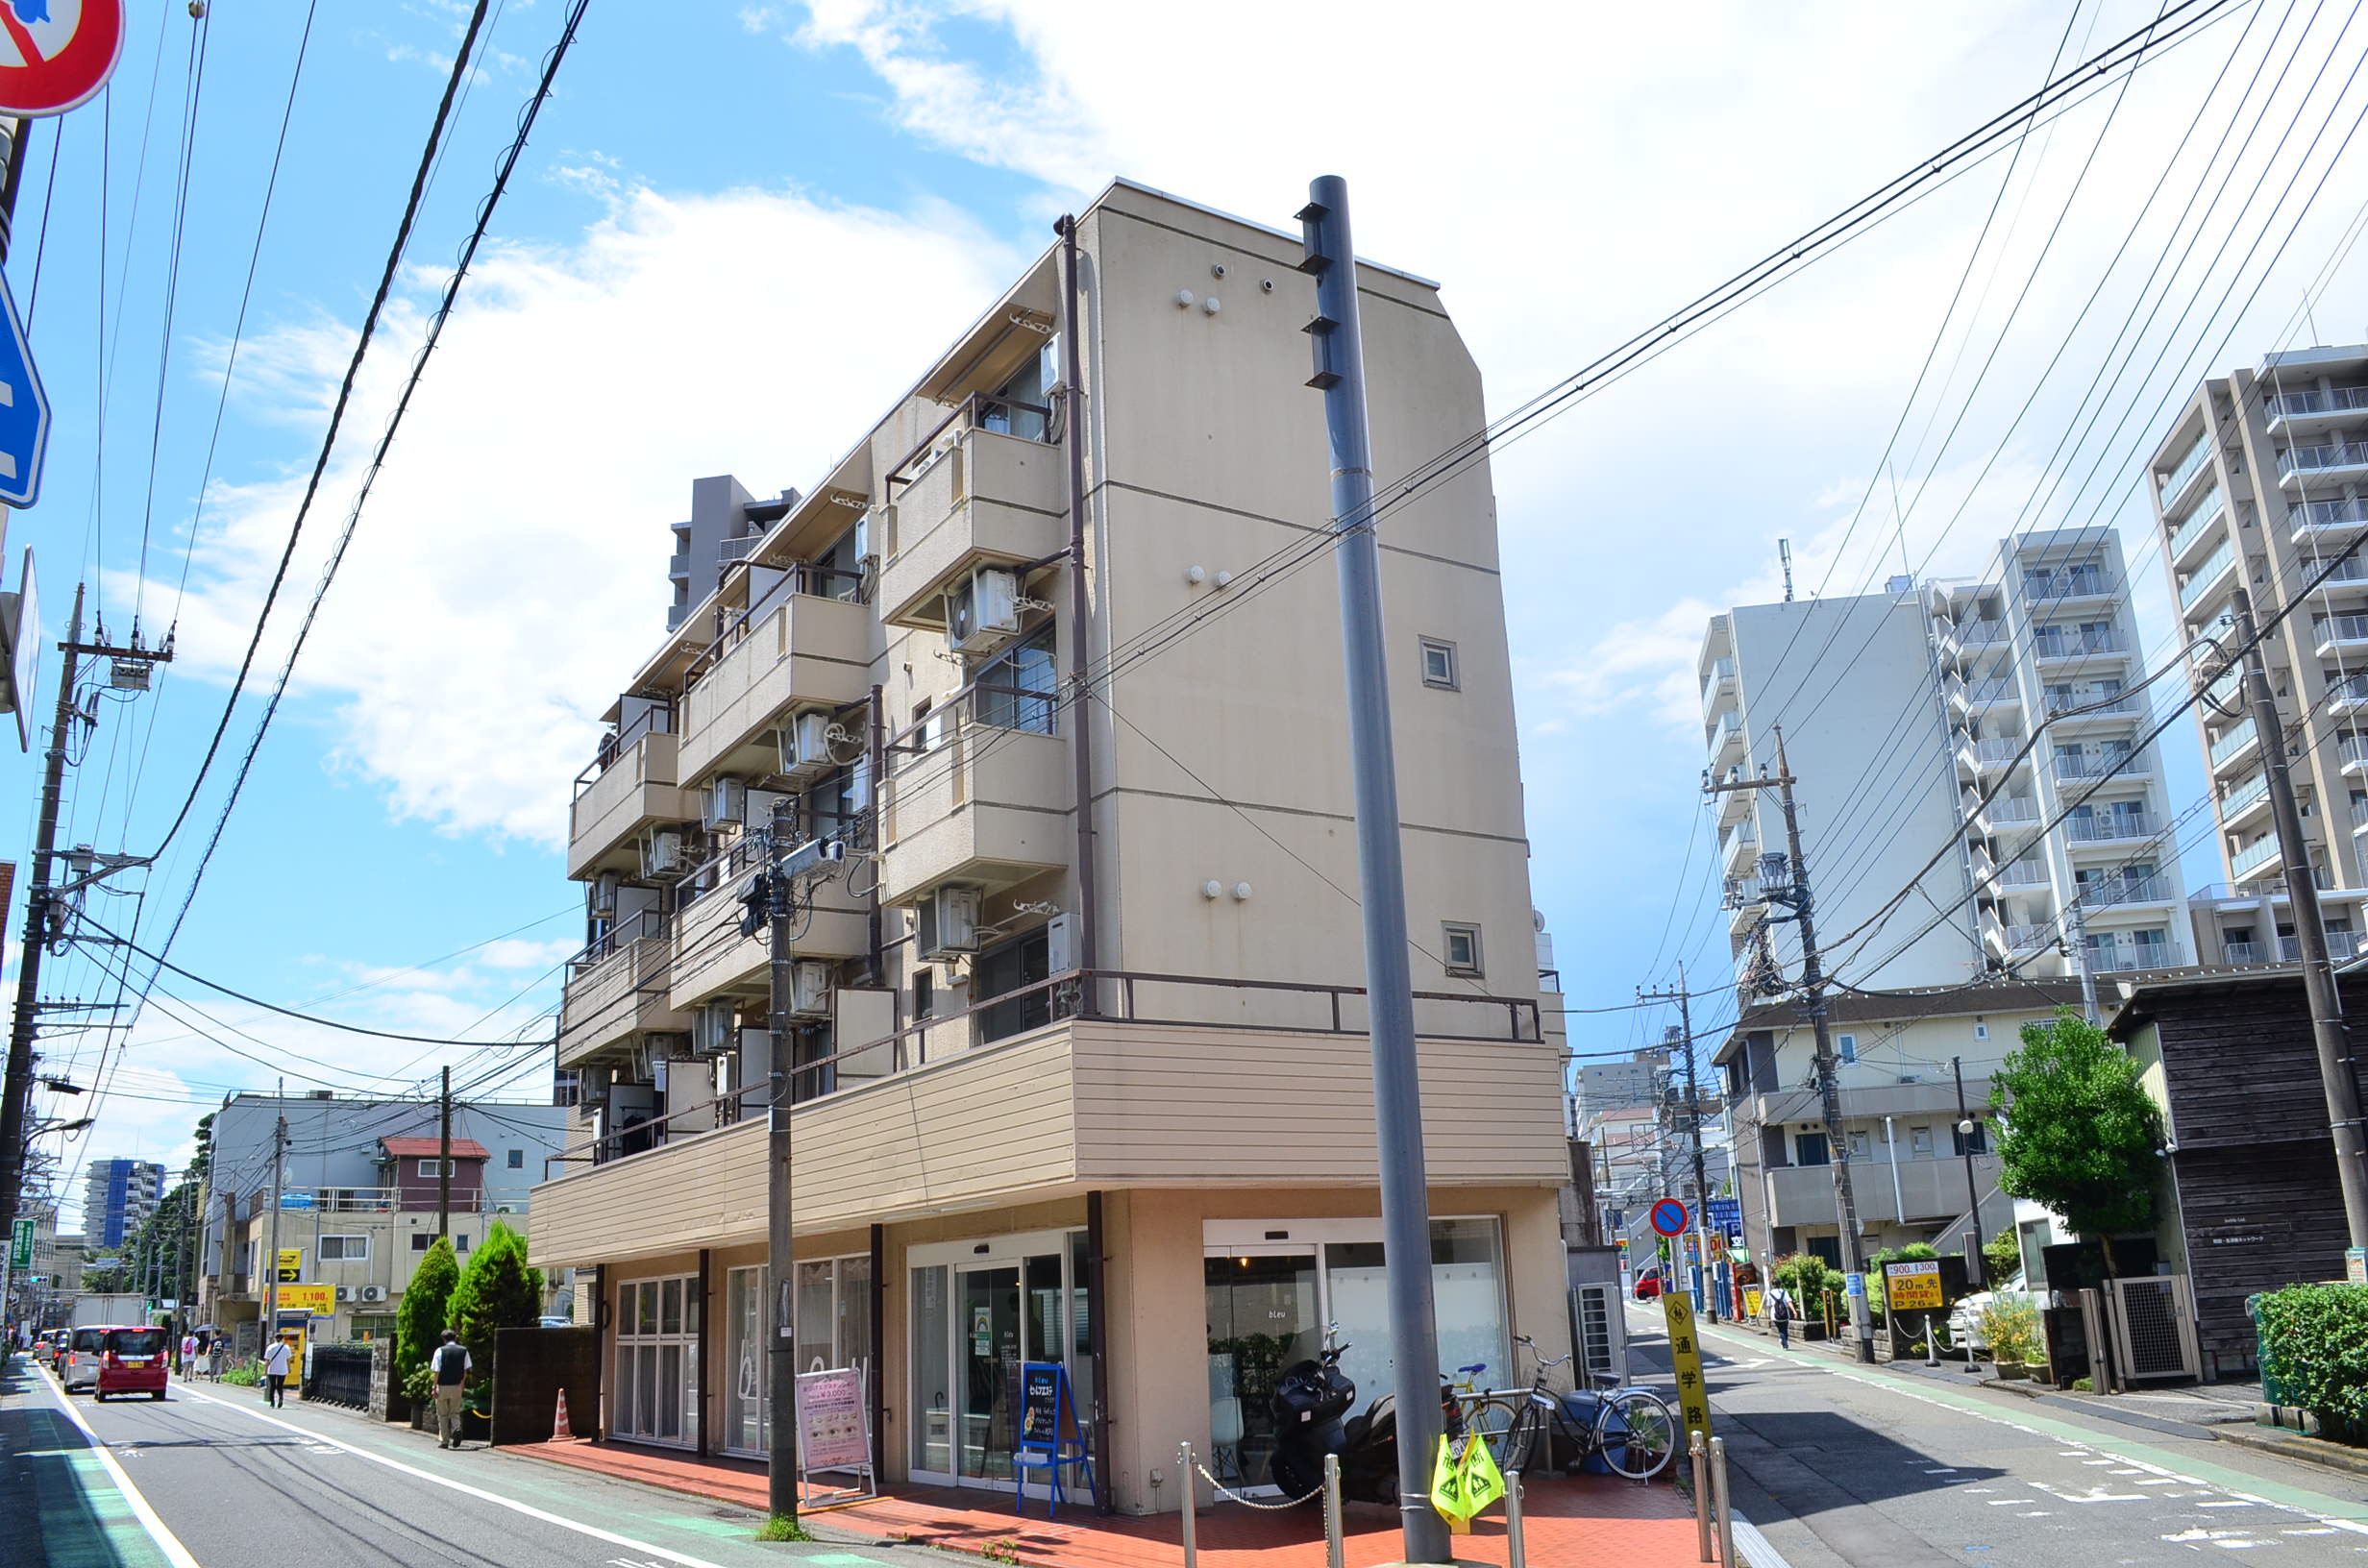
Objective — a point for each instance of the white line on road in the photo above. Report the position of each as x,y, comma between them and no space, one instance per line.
167,1541
477,1492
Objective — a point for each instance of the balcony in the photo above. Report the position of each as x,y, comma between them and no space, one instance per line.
2293,410
712,959
2339,631
2075,708
985,806
2228,748
2207,577
2201,524
2353,753
2003,813
2349,570
1993,755
1183,1081
806,651
2107,891
2122,957
2071,582
2253,856
2346,458
1983,694
2074,643
2348,695
2072,766
1719,682
616,987
979,497
2243,952
2110,826
1737,844
678,566
1929,1190
1975,634
634,790
2191,462
2333,521
2340,945
2022,874
2241,802
1726,737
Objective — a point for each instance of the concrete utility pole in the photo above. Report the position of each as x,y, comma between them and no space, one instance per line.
1795,893
444,1158
1977,1263
1338,338
271,1264
1693,1115
2337,1073
780,1233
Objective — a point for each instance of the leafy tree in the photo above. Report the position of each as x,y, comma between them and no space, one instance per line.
419,1321
2001,1256
2080,1133
497,1290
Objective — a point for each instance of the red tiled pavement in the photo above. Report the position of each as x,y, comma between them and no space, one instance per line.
1587,1520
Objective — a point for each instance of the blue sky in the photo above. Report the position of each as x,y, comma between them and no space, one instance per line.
740,229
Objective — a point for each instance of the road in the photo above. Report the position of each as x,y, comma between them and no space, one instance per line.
1839,1463
215,1477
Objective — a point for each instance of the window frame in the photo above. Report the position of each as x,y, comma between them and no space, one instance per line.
344,1242
428,1164
516,1160
1453,678
1477,967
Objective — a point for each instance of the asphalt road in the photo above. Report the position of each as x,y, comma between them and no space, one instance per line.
227,1481
1839,1463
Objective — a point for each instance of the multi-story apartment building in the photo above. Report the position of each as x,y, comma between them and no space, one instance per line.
1909,721
2258,482
360,1197
118,1195
1078,1056
1899,1060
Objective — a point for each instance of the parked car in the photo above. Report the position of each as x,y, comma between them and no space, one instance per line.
78,1361
1648,1285
45,1346
133,1361
1966,1317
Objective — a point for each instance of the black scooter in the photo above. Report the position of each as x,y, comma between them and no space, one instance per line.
1311,1404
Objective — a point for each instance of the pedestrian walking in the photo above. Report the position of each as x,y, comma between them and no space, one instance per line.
1782,1313
452,1366
215,1353
275,1362
189,1355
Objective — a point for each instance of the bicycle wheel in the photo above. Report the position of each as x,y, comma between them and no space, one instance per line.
1494,1422
1635,1435
1526,1445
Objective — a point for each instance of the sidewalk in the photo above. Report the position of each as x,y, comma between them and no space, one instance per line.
1587,1520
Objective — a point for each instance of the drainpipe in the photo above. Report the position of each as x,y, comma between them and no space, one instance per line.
1891,1141
1080,614
875,753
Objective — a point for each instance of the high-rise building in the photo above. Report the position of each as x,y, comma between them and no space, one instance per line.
2259,481
1075,1034
1909,719
117,1194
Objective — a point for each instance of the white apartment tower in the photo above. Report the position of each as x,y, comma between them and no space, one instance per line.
2259,480
1908,720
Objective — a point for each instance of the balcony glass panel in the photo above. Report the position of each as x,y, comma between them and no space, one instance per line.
2206,575
2233,741
2073,642
2184,470
2317,459
2253,856
2333,400
2342,628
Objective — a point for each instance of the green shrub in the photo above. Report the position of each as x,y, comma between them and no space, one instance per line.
781,1527
2314,1345
2011,1324
419,1321
496,1292
246,1375
2001,1257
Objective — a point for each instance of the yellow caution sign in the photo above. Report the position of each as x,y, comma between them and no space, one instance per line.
292,1264
1693,1400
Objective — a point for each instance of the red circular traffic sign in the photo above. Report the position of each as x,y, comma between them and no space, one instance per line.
55,54
1670,1217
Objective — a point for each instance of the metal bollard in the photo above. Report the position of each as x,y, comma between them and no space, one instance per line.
1701,1495
1725,1509
1192,1504
1335,1548
1516,1552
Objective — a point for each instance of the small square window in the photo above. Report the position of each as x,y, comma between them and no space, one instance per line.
461,1243
1439,665
421,1241
1462,949
1848,1046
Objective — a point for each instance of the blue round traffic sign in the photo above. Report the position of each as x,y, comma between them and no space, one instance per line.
1670,1217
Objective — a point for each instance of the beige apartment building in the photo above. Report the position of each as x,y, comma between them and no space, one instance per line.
2260,480
1084,1089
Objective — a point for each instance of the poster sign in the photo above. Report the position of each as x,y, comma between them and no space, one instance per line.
291,1266
2356,1265
1913,1287
1693,1398
1040,1404
320,1300
833,1429
20,1246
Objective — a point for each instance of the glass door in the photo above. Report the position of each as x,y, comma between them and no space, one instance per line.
979,1310
987,1318
1262,1316
746,1392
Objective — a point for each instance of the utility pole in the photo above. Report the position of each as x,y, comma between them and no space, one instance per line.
1337,335
17,1087
444,1159
1693,1116
271,1268
2337,1073
1977,1262
1794,892
780,1231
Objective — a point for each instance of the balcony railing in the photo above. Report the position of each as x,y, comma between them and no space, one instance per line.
2350,569
2233,741
2022,874
2093,705
2243,952
2340,945
2331,514
2333,400
2184,469
2115,957
1981,633
2349,693
1998,752
2317,459
2070,764
1721,734
2072,582
2255,855
1722,670
2352,749
2204,576
2341,628
2065,643
2104,892
1981,692
2244,795
2029,939
2199,520
2011,809
2105,825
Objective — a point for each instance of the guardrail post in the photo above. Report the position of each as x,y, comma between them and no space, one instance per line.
1335,1548
1725,1509
1192,1502
1517,1551
1701,1496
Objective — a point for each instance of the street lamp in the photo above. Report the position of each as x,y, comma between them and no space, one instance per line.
41,1129
1965,1126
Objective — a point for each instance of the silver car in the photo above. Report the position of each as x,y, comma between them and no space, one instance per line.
1965,1328
78,1361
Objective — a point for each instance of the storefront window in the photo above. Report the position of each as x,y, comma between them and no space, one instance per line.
932,1371
747,1389
657,1362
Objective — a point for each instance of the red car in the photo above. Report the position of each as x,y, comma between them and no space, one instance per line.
1648,1285
133,1361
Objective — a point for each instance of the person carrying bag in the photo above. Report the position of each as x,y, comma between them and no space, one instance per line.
1782,1313
452,1367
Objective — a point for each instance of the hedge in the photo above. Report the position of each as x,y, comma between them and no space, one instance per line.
2314,1345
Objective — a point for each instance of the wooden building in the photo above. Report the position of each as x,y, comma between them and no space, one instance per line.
2250,1201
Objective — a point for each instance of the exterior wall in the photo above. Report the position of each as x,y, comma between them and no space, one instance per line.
413,1191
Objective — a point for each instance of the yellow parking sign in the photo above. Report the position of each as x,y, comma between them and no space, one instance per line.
1913,1287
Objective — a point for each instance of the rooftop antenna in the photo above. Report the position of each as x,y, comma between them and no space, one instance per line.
1784,553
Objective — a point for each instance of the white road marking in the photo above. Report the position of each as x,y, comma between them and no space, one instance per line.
477,1492
2042,1514
150,1521
2232,1503
2310,1530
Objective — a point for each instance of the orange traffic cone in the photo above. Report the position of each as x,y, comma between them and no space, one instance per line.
560,1431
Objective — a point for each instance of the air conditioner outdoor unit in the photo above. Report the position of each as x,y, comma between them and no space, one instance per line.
592,1092
811,988
711,1028
982,611
604,889
727,801
345,1292
666,1044
665,853
946,923
805,747
374,1293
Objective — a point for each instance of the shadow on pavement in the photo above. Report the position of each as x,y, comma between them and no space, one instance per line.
52,1480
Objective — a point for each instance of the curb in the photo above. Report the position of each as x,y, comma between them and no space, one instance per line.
2294,1446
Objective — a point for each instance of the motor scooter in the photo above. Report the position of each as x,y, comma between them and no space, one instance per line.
1311,1406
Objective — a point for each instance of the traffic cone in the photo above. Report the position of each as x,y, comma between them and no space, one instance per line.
560,1431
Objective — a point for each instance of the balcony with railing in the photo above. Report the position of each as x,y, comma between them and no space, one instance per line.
2074,642
2079,764
1738,842
2334,402
2334,631
2078,708
2022,874
711,958
2005,811
806,643
2110,826
2327,520
974,802
634,790
2106,892
2352,753
2241,801
1724,735
1718,682
1990,754
2190,463
2205,578
1973,634
985,489
1982,694
2030,939
616,987
2348,695
2351,569
2070,582
2122,957
2198,527
2233,745
2253,856
2329,457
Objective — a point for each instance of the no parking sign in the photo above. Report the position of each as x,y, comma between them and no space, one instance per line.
55,54
1670,1217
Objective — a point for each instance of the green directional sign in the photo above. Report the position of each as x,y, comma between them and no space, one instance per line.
20,1246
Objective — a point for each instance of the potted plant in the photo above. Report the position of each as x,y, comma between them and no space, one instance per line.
2011,1326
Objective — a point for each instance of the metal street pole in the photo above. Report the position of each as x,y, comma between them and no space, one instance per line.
1694,1116
271,1272
1977,1262
444,1158
1338,336
780,1233
2337,1073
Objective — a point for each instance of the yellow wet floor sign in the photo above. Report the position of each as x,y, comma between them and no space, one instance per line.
1465,1483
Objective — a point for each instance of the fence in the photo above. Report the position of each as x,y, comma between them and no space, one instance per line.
339,1375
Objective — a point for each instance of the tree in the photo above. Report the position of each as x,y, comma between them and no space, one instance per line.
497,1290
419,1321
2080,1133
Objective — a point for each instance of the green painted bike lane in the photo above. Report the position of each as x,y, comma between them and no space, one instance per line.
82,1518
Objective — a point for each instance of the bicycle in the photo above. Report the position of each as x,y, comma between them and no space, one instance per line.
1631,1429
1488,1413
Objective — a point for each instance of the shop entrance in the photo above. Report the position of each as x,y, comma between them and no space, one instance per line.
978,1315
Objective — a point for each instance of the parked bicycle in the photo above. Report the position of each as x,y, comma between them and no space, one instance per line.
1630,1428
